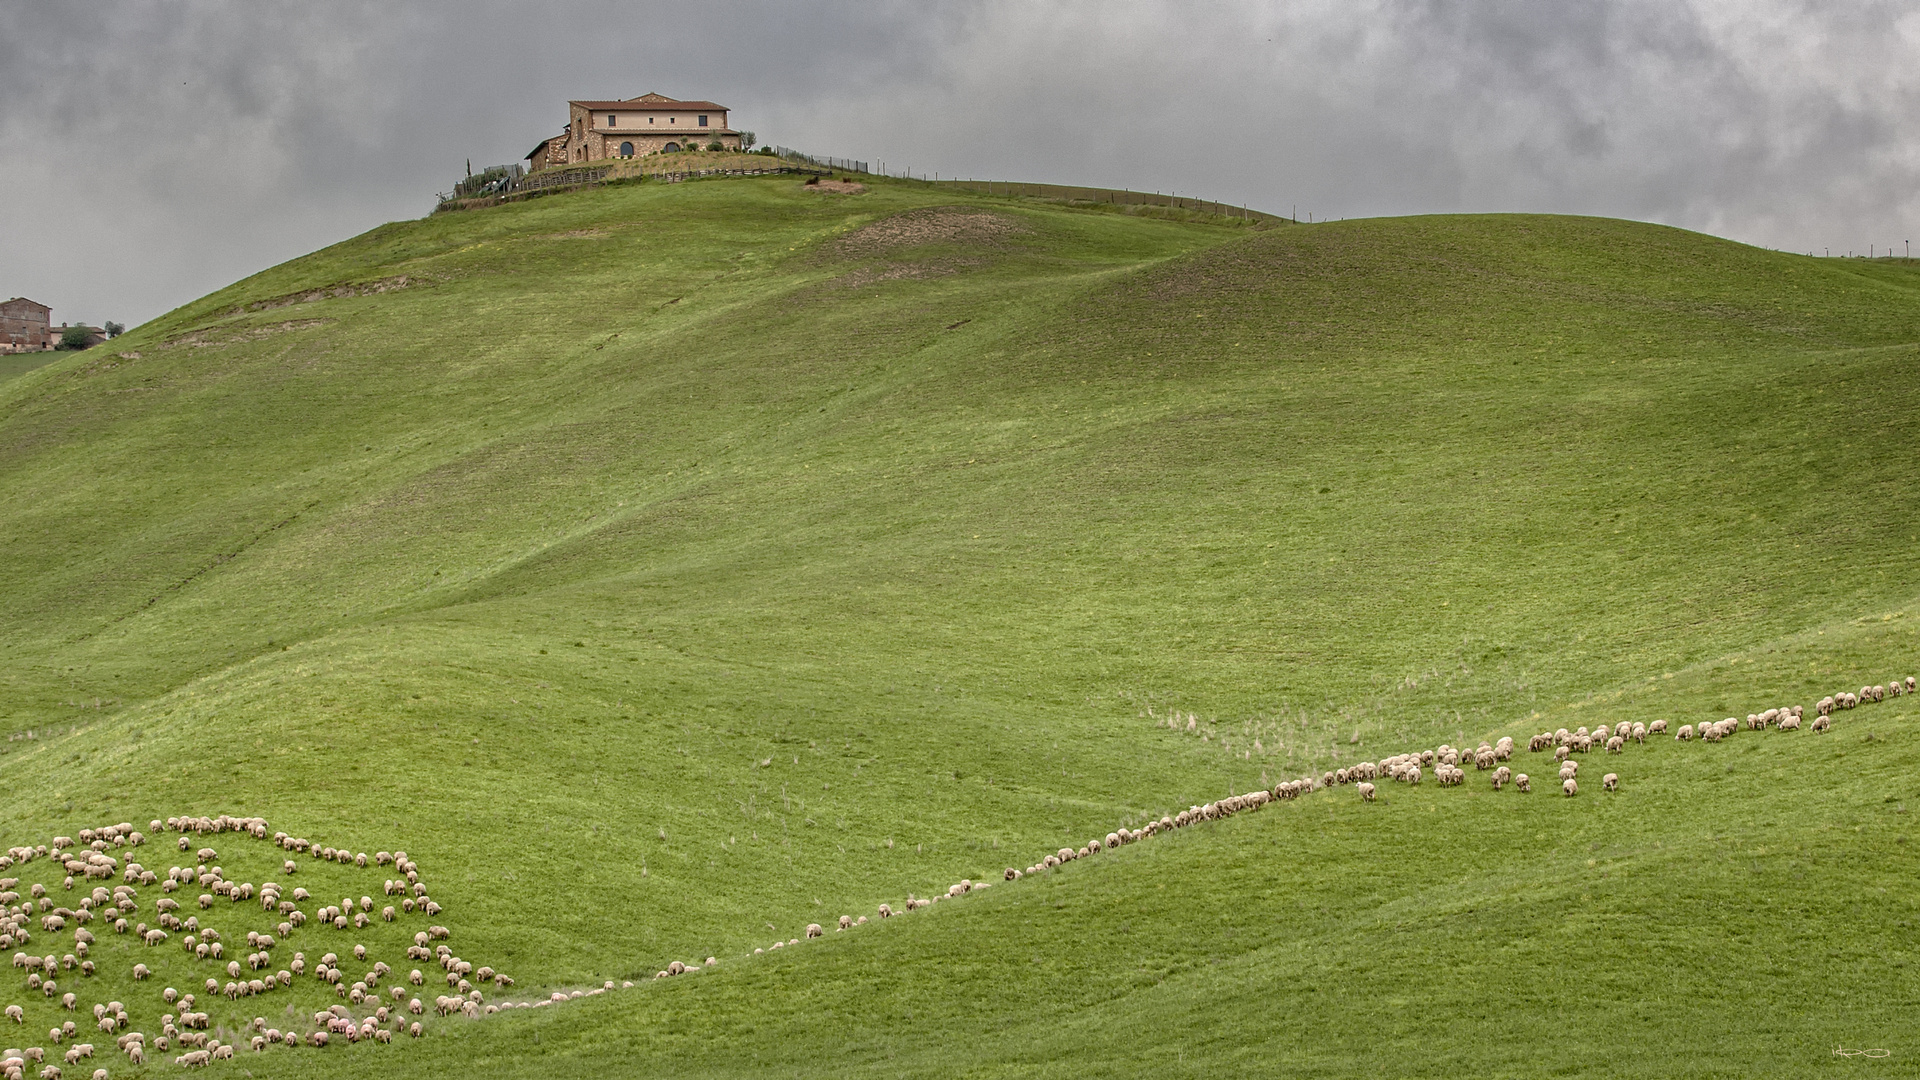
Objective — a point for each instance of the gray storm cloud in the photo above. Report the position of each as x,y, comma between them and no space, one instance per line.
155,151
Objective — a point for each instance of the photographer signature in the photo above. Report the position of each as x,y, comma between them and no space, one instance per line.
1841,1051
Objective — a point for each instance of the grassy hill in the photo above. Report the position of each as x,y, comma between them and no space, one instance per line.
667,567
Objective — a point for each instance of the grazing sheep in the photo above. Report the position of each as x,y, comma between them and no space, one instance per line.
1789,723
1521,782
1366,791
1570,786
1610,782
1562,752
1822,722
1640,732
1616,744
1685,733
885,911
813,931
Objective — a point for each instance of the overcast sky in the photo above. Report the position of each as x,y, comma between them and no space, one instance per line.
153,151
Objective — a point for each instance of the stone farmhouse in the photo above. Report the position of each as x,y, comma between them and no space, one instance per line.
26,326
648,124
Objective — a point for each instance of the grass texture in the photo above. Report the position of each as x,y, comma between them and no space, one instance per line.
667,567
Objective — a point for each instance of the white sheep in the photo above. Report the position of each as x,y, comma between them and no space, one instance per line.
1366,791
1610,782
1684,734
1570,786
1521,782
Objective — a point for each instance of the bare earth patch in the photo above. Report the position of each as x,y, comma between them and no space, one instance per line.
932,225
201,339
837,187
331,292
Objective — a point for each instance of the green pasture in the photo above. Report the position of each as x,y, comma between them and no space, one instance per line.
666,567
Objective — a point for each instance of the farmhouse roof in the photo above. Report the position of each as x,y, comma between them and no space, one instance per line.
659,102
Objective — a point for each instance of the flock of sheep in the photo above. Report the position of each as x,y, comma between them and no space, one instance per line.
379,1020
367,1013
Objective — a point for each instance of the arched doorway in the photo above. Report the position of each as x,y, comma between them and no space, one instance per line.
671,148
626,149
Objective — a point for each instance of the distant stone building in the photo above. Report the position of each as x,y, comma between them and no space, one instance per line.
26,326
648,124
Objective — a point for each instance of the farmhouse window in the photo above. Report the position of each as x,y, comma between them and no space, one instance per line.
703,119
611,119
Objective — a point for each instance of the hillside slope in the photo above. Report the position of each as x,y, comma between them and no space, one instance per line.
677,565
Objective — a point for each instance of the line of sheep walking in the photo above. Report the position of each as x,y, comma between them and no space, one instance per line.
1445,762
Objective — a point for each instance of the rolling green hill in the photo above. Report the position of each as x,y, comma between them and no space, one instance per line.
668,567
